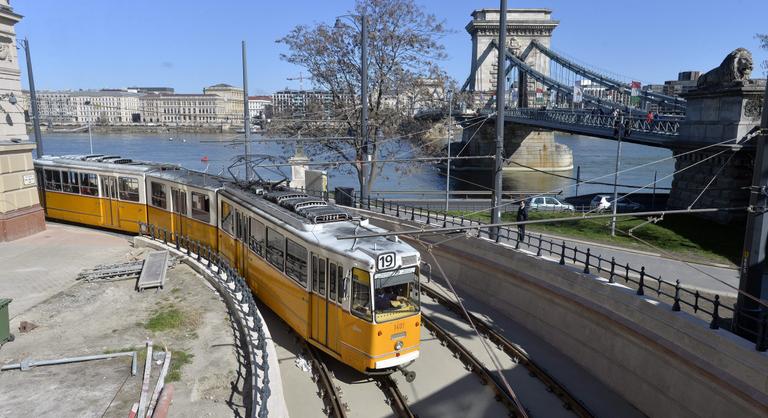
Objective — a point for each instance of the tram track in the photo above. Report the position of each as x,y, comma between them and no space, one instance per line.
327,389
517,355
397,401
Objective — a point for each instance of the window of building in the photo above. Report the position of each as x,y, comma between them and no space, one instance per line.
256,241
69,182
159,195
275,248
53,180
201,207
89,185
361,294
128,189
296,262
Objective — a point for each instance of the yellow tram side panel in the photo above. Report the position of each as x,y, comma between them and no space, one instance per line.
228,247
284,296
200,231
361,346
74,208
130,214
160,219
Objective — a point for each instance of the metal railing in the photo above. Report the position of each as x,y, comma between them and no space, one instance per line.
645,283
660,125
242,309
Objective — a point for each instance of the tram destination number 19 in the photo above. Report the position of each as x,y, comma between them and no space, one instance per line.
386,261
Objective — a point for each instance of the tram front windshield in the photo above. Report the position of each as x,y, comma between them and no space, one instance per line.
396,294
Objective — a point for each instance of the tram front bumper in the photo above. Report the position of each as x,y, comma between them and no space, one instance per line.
398,360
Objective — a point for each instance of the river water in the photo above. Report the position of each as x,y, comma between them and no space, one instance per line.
596,157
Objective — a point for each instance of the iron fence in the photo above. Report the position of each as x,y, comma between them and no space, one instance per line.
242,309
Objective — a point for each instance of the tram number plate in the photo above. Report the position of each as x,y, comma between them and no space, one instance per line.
386,261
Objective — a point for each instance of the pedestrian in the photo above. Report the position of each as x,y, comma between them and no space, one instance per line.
649,119
522,216
616,113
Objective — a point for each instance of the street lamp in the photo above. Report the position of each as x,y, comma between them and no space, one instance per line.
449,92
90,137
364,186
619,133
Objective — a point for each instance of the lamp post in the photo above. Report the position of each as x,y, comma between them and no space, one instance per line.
33,98
615,203
90,137
450,138
364,186
500,90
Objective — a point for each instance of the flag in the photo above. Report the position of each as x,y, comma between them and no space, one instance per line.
635,99
577,96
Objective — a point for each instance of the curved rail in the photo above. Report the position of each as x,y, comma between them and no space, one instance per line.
326,389
397,401
519,356
504,396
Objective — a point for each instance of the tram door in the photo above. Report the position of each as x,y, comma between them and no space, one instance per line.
111,210
333,311
179,202
319,306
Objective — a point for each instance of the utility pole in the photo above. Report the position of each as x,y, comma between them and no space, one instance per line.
246,114
450,138
500,88
615,203
750,313
364,186
33,97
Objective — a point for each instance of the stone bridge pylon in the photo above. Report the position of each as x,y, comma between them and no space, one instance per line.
526,146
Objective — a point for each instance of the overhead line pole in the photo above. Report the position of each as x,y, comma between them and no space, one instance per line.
364,186
500,88
33,97
246,112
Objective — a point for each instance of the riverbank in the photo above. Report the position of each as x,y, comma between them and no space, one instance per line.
141,129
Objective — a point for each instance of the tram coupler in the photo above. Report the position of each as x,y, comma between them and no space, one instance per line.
410,376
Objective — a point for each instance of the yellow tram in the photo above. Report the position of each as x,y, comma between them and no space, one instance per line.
356,300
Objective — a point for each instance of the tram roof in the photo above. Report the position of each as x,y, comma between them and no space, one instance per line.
104,162
192,178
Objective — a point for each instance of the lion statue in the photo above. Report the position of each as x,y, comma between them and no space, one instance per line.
735,68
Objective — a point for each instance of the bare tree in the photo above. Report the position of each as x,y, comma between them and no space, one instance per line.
763,38
404,47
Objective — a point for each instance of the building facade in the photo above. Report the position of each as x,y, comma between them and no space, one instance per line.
232,98
258,106
20,211
183,109
301,102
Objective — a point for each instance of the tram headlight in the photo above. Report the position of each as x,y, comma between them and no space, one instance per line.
398,345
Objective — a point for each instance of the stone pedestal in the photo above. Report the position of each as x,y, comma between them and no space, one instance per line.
20,211
526,146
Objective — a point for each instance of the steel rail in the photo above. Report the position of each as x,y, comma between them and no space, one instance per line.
519,356
396,400
471,362
330,394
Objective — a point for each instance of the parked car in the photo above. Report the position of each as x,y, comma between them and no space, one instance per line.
548,203
603,202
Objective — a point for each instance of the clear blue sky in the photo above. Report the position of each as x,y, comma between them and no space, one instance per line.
191,44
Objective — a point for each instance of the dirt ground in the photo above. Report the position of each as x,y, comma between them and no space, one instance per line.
187,317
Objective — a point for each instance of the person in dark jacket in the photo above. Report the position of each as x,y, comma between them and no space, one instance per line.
522,215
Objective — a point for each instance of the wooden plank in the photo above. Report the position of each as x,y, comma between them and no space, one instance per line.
159,384
145,382
153,273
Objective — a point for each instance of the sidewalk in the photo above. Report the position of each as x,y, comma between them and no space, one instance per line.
37,267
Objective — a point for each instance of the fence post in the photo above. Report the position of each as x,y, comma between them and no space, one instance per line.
383,206
208,256
642,281
397,208
165,236
575,251
586,262
445,217
413,216
428,218
562,255
715,324
178,246
626,274
538,250
613,268
599,263
676,305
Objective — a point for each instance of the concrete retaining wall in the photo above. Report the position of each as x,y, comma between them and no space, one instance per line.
666,363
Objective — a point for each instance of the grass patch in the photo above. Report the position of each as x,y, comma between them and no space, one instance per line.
685,236
179,359
170,317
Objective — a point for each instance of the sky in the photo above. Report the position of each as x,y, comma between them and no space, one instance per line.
190,44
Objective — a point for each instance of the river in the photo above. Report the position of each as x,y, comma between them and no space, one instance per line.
596,157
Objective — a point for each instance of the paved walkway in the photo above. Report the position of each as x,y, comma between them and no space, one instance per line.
691,275
37,267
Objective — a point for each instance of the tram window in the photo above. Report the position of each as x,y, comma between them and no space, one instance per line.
201,207
128,188
256,241
275,248
296,262
52,179
179,201
69,182
227,218
361,294
159,195
340,281
321,277
332,281
89,186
